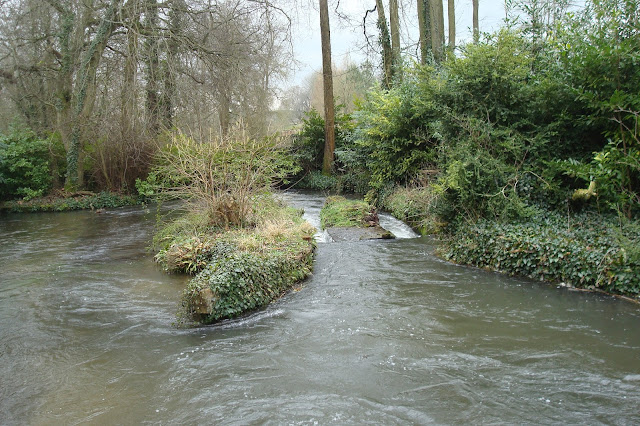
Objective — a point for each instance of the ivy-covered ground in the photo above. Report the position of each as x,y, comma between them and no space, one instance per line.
586,251
67,202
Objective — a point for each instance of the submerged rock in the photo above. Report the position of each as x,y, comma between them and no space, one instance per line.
359,234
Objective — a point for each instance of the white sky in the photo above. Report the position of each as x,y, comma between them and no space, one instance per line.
346,39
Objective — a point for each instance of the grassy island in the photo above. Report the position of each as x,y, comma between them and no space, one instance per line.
237,270
244,247
351,220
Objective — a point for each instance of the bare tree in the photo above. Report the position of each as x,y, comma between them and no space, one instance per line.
114,73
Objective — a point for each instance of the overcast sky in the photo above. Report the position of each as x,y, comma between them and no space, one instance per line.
348,39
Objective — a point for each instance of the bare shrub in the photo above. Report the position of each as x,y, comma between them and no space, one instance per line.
118,159
222,177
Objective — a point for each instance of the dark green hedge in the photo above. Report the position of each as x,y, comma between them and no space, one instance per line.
585,251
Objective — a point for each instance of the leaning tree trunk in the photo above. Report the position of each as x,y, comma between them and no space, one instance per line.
327,74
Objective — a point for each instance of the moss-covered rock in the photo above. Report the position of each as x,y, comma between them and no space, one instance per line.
338,212
351,220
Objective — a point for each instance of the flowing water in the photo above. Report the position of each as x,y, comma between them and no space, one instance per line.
383,333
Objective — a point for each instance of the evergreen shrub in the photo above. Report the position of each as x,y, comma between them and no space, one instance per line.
317,181
350,173
24,165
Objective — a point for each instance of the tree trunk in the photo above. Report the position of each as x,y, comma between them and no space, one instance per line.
128,95
170,71
437,29
151,56
224,112
451,14
424,30
385,42
476,25
394,22
84,93
327,73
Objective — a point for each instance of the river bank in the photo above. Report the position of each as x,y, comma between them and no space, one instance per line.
62,201
588,250
585,251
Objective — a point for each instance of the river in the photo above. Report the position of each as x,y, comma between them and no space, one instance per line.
383,333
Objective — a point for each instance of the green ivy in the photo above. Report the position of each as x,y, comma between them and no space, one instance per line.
586,250
242,282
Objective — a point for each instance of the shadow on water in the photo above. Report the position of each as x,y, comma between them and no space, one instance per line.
383,332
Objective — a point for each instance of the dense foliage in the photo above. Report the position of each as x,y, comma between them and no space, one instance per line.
600,54
515,121
538,118
25,163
